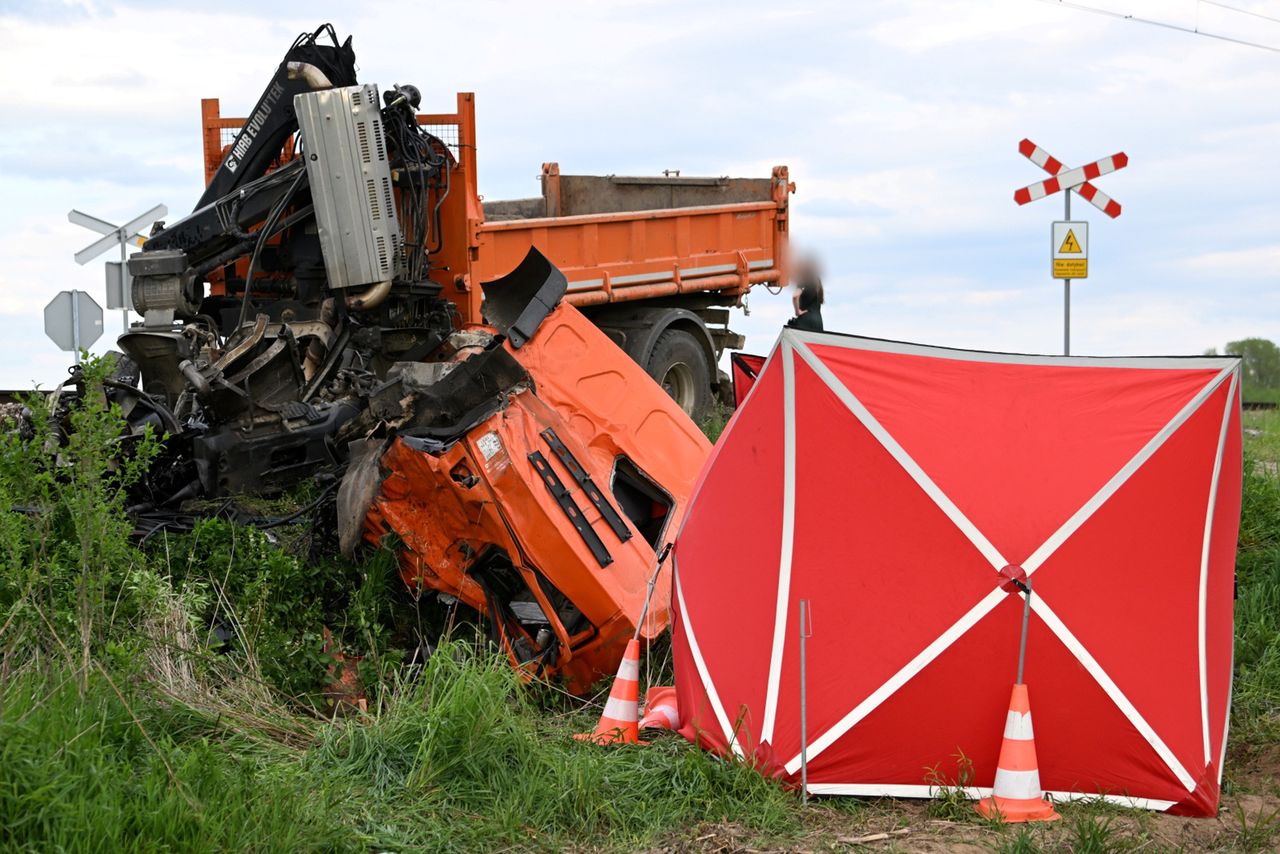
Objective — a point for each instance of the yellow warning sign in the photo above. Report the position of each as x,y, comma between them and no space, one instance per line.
1070,249
1070,268
1070,246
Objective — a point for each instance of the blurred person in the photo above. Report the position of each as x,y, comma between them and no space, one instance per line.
807,297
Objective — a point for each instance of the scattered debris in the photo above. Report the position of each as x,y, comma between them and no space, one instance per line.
873,837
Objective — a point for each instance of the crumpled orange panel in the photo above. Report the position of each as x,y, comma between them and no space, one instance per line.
484,493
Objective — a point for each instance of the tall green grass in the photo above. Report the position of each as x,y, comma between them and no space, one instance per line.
1256,694
458,759
87,769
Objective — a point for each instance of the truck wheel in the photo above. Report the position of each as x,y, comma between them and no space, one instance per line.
679,364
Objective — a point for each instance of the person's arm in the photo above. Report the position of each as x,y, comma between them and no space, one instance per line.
795,302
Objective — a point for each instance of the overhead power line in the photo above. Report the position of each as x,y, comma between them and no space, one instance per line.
1231,8
1196,31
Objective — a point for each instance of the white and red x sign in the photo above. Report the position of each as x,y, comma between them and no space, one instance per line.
1070,179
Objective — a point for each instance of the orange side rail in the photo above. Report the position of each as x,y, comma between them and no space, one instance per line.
621,257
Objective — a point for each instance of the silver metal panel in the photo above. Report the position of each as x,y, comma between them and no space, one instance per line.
119,286
346,156
72,320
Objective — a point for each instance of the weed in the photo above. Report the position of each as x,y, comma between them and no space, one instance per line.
66,564
715,422
1097,834
1256,832
1022,842
949,796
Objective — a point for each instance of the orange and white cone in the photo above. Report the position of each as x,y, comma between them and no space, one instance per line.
660,709
618,724
1017,795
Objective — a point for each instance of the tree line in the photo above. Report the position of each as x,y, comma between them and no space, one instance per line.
1261,362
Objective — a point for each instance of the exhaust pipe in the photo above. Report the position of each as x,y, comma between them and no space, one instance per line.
314,77
371,298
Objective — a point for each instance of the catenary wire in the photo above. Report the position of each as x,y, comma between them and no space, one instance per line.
1248,12
1164,24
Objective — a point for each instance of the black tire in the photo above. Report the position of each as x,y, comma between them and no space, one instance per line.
679,364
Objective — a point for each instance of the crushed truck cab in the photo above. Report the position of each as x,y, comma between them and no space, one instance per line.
542,507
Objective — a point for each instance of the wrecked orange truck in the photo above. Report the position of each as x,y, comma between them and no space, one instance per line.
544,505
501,391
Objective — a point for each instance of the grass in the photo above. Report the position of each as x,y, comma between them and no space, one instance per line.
948,799
78,772
169,699
715,422
1096,835
459,759
1022,841
1256,695
1261,395
1256,831
1262,434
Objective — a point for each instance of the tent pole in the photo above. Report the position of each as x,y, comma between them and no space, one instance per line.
653,582
804,740
1026,618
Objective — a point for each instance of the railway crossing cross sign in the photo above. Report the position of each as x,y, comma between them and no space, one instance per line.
114,235
1070,239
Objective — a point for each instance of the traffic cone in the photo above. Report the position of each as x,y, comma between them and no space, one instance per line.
1017,795
660,709
622,710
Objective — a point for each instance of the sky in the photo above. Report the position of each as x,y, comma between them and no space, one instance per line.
900,123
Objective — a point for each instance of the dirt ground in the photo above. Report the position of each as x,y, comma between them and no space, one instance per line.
1248,820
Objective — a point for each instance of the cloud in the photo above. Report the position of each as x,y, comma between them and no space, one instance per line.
1262,262
927,26
899,119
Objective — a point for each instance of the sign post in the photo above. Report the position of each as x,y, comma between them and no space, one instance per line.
1070,238
73,321
1069,246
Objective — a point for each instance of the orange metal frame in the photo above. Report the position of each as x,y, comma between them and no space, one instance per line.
616,257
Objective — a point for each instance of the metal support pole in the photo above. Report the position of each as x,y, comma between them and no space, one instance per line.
124,277
1066,296
1026,619
804,737
75,324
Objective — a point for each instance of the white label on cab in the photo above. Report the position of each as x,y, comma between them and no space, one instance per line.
490,445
